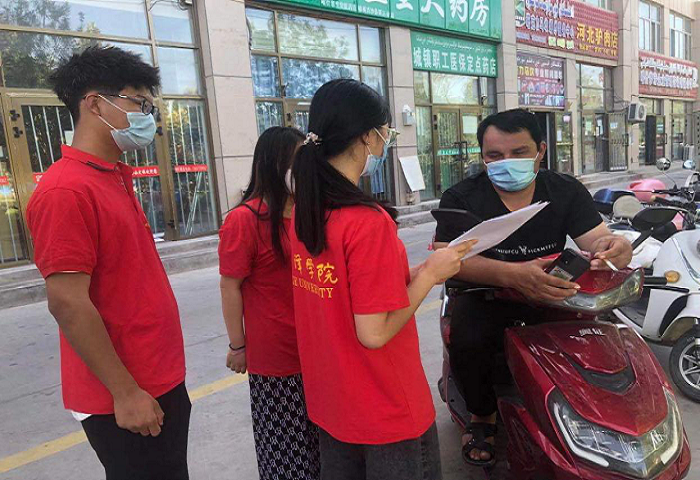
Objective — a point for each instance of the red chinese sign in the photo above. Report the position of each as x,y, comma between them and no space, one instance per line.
154,171
4,181
144,172
664,76
567,25
191,168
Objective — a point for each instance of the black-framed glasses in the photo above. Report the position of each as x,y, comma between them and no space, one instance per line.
147,106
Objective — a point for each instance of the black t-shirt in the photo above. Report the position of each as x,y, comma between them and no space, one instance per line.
571,212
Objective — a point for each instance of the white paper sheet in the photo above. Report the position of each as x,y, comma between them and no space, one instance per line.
492,232
413,173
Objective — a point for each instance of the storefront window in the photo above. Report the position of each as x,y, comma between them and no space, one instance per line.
268,114
312,52
29,58
371,45
304,77
171,22
374,77
125,18
179,71
455,89
261,28
312,37
266,81
421,86
192,169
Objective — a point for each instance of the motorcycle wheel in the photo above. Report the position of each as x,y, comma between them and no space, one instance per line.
684,365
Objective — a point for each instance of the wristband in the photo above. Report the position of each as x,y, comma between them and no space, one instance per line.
236,349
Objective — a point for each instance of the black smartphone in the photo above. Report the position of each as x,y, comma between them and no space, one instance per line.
569,266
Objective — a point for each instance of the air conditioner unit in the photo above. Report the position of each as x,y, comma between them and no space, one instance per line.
636,113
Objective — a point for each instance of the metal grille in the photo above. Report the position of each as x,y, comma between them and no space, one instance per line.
147,186
189,156
617,142
45,128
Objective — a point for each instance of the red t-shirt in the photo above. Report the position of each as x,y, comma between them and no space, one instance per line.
356,394
245,252
84,217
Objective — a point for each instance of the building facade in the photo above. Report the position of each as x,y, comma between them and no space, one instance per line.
232,68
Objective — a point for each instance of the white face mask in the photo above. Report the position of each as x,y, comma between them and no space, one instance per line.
289,181
139,134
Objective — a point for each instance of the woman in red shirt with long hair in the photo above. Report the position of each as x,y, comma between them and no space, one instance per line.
256,294
355,298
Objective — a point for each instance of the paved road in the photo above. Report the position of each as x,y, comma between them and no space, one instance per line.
221,445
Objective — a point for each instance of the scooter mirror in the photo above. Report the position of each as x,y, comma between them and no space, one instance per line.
663,164
689,165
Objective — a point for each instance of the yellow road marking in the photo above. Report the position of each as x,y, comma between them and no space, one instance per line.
61,444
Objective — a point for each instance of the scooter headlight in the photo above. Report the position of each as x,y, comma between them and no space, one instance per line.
640,457
627,292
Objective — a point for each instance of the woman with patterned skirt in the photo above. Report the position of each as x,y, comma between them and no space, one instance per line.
258,308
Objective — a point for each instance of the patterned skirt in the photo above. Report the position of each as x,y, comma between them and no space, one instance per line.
286,442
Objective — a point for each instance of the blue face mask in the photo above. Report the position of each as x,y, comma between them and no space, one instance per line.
374,162
512,174
139,134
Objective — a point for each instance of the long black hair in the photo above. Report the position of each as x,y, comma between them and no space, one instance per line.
272,158
341,111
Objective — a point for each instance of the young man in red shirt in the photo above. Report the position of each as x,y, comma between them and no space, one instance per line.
122,354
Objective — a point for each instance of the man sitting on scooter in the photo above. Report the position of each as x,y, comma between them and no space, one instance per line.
512,148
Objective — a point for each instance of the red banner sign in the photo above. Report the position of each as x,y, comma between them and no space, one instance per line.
665,76
143,172
191,168
567,25
4,181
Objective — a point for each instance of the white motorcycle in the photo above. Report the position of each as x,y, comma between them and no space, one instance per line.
669,313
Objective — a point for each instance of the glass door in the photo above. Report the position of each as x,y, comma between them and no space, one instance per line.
601,142
617,142
424,137
678,136
13,246
39,125
470,147
661,136
447,134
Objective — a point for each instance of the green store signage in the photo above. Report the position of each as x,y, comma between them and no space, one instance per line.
481,18
453,55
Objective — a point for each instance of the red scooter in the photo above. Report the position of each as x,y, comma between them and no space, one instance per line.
588,399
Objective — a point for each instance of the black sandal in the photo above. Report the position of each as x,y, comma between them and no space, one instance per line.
480,432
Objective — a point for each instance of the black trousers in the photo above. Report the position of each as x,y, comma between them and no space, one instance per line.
417,459
476,346
131,456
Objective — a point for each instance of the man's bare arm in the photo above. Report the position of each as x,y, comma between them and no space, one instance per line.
69,303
